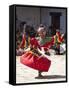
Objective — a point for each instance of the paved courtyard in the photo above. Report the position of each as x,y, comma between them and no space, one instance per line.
57,71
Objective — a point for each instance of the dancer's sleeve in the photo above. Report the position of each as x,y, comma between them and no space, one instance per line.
34,43
47,45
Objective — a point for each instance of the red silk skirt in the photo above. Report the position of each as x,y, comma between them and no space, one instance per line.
34,61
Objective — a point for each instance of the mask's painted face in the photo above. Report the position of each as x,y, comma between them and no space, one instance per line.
41,32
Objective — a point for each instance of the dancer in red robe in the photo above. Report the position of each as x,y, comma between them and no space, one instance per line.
33,57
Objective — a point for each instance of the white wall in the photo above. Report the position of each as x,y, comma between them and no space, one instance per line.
30,15
46,18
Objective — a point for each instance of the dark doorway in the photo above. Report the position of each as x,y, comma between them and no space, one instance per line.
55,22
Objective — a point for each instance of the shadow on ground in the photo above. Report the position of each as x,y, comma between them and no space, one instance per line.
51,77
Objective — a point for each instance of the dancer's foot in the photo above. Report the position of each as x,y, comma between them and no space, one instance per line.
39,74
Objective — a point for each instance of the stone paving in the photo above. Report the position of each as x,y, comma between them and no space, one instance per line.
57,71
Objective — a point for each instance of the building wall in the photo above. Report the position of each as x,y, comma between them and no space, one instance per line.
46,18
32,16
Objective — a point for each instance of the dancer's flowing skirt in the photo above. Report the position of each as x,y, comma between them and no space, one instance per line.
34,61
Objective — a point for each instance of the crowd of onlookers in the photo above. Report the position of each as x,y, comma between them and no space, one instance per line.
28,31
